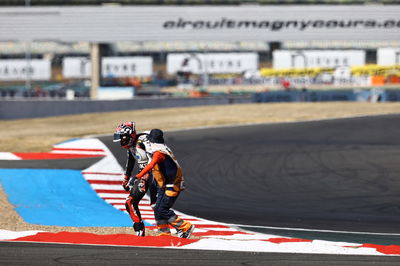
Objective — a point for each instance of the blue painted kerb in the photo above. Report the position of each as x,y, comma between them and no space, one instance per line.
58,197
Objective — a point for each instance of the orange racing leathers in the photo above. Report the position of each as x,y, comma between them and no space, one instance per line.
168,175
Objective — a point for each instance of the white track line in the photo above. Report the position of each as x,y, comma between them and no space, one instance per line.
313,230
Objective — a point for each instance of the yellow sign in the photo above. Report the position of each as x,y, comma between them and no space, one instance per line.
294,72
375,70
367,70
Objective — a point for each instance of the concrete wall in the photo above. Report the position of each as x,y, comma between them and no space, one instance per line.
18,109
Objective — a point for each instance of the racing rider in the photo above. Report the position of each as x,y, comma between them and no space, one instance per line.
168,175
135,144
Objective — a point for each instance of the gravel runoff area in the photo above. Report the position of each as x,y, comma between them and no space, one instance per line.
40,134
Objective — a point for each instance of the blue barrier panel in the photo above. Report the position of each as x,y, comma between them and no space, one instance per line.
391,95
58,197
331,95
304,96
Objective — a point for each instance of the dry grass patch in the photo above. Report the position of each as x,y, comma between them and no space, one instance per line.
38,135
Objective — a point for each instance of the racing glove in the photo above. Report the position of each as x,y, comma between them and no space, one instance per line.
142,185
125,183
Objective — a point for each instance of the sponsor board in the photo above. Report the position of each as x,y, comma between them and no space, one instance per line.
388,56
22,69
130,66
212,63
317,58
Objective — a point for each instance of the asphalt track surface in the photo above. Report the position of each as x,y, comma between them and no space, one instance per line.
339,175
60,254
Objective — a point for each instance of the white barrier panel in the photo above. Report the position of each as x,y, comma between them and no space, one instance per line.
199,63
115,93
317,58
17,69
76,67
388,56
130,66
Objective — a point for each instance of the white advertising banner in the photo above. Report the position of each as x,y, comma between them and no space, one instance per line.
21,69
317,58
388,56
76,67
200,23
199,63
131,66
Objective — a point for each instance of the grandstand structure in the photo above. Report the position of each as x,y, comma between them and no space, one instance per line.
191,2
135,28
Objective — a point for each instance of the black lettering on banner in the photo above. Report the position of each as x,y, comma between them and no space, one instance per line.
198,25
370,23
186,22
278,25
169,25
247,24
389,24
305,24
356,22
180,23
223,21
291,23
211,25
344,24
263,24
230,24
331,24
318,24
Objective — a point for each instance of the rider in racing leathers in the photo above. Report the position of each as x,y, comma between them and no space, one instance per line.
135,144
169,177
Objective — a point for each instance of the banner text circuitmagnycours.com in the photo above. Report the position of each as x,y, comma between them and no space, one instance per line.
278,25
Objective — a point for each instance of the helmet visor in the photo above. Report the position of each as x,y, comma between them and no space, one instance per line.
117,137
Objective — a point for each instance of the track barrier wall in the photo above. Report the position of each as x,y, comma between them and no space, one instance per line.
373,95
19,109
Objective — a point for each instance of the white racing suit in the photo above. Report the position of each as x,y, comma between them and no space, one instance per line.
138,187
